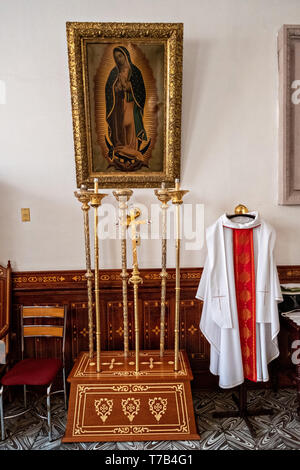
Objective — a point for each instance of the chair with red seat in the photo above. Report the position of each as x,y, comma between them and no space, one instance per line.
5,310
45,322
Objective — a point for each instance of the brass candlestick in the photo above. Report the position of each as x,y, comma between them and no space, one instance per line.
96,199
164,197
135,279
176,196
123,196
84,196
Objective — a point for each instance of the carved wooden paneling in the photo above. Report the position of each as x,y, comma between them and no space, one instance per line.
189,326
77,334
151,324
109,279
5,300
289,274
2,301
114,327
69,288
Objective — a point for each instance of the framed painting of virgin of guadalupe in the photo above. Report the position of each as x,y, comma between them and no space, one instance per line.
126,87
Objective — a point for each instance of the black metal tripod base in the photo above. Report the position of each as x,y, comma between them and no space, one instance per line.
243,411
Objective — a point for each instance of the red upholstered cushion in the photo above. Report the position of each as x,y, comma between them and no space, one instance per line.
32,372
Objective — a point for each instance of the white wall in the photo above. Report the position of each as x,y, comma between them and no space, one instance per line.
229,134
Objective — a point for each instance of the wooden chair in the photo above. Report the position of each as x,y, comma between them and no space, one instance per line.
43,323
5,307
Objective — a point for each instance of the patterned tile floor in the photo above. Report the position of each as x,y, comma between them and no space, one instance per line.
280,431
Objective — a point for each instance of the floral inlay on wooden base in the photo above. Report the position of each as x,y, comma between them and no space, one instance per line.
154,404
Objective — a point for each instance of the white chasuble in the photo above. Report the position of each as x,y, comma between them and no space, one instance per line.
240,290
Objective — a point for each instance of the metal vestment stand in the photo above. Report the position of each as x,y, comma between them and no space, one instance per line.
243,411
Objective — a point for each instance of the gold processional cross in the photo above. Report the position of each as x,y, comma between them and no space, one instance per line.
135,278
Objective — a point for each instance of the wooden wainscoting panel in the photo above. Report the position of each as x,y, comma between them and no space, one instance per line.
114,324
69,288
78,333
151,323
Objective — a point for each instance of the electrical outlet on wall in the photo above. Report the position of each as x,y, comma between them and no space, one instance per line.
25,214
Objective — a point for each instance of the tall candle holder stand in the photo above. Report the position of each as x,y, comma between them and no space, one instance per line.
135,279
84,197
164,197
123,196
96,199
176,196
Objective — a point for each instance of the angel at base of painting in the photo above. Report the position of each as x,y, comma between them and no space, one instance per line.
125,97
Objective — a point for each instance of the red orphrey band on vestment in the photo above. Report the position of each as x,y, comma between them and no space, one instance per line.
244,273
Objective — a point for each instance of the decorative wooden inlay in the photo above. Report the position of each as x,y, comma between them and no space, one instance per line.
107,278
114,363
108,407
131,407
158,406
120,331
104,408
70,288
151,423
156,330
84,332
153,363
111,277
192,329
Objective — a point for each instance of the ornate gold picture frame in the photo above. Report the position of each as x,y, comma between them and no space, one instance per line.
126,89
288,50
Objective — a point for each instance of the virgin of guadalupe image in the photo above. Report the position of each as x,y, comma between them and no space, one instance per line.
125,97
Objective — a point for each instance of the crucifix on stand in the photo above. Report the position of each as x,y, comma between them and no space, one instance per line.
135,278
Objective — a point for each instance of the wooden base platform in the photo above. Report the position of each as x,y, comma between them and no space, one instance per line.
118,404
